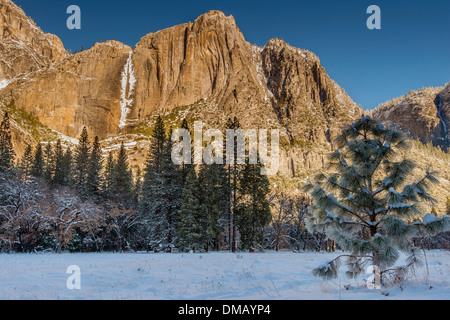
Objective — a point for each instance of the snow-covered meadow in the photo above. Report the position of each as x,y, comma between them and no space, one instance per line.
218,276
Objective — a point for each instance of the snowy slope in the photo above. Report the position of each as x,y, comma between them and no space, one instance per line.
218,276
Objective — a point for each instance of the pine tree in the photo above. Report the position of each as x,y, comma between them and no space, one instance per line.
48,162
67,168
93,175
366,205
172,188
108,175
231,175
161,192
158,140
122,180
211,197
153,165
7,153
137,186
26,163
253,210
58,177
81,157
193,225
149,204
38,162
185,168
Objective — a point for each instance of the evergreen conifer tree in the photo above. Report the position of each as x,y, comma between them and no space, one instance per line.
367,204
93,175
122,180
81,162
58,177
67,168
253,210
193,224
211,197
108,176
149,203
48,162
26,163
137,186
231,175
171,191
185,168
161,192
38,162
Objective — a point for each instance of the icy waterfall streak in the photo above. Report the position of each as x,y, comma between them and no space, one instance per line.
128,82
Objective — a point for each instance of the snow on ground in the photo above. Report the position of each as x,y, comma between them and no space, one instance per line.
217,276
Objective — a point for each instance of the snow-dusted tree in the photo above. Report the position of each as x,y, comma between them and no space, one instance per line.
212,199
137,187
288,220
230,178
161,192
118,224
108,176
48,162
67,168
37,169
185,168
65,212
26,163
81,162
152,169
193,224
252,212
122,180
93,175
370,201
57,165
20,213
301,238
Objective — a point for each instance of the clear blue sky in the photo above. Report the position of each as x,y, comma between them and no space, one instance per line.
412,50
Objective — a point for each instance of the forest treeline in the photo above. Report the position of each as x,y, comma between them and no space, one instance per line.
77,200
61,199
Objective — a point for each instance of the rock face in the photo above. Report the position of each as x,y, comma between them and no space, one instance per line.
24,47
111,88
81,90
277,86
442,103
307,102
423,114
208,58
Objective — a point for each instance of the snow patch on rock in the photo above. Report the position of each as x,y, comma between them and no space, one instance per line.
4,84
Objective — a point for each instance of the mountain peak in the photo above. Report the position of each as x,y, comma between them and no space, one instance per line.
216,19
424,114
276,44
24,47
215,14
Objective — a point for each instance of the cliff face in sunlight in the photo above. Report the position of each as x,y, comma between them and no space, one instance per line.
423,114
201,70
